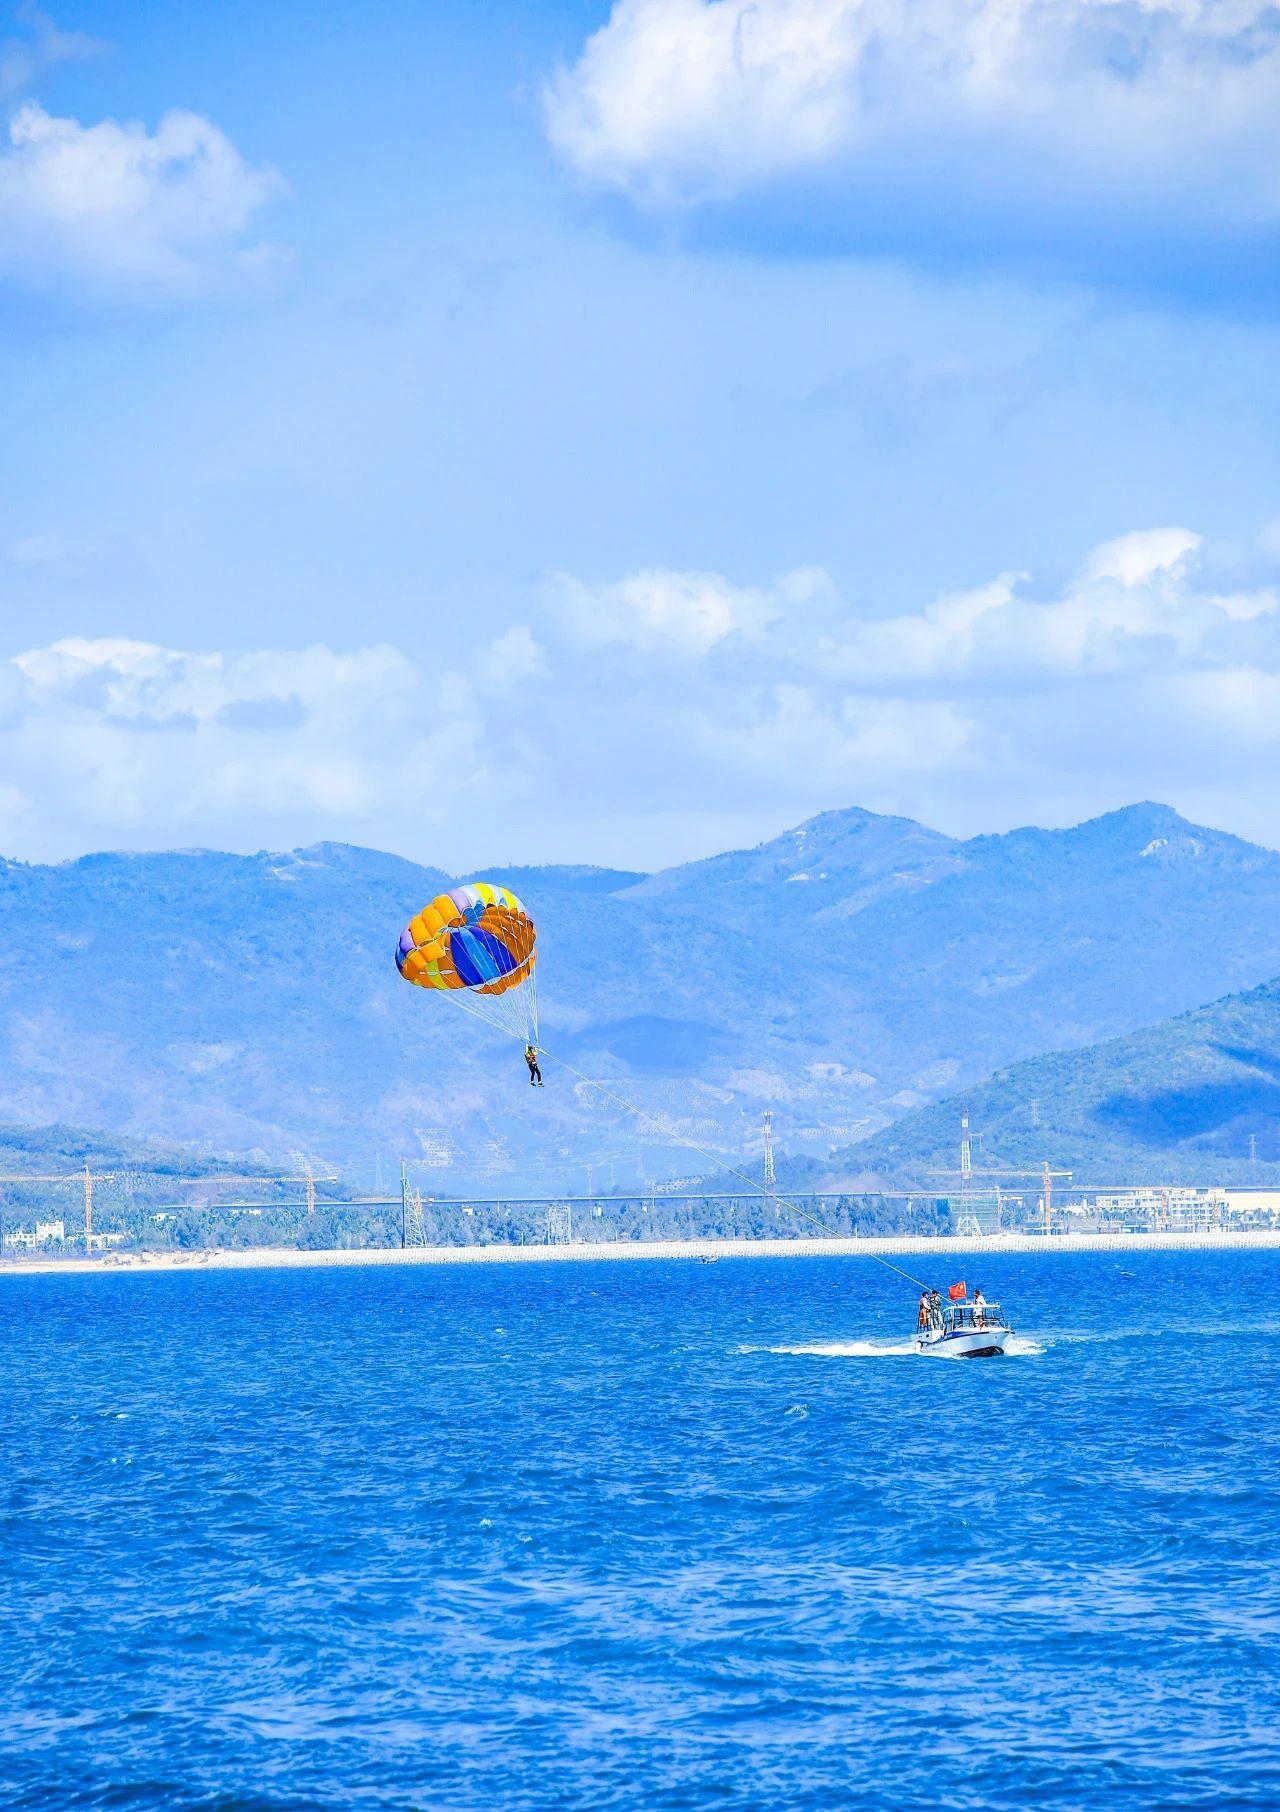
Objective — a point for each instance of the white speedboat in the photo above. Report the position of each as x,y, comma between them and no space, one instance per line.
966,1330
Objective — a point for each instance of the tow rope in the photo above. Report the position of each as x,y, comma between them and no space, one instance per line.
669,1132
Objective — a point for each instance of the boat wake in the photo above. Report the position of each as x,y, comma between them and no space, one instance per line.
849,1349
1019,1346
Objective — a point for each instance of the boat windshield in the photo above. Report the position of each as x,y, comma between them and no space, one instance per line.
974,1315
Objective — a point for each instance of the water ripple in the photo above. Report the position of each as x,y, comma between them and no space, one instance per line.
638,1536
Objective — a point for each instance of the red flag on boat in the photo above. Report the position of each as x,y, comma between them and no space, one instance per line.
957,1292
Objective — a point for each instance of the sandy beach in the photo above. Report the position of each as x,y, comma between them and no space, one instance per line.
288,1258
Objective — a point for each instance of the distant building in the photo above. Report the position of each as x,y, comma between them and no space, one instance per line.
1193,1210
1173,1209
44,1233
1253,1207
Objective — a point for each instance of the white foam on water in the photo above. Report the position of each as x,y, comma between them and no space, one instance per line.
1020,1346
1017,1346
850,1349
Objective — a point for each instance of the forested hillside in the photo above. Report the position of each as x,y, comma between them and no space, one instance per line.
1188,1100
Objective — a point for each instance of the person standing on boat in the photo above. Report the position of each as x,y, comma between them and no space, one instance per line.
935,1309
922,1318
979,1304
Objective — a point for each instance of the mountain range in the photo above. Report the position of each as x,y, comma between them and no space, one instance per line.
842,975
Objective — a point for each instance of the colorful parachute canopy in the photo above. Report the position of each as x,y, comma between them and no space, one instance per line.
479,945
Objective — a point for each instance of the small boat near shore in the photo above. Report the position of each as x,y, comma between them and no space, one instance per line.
966,1330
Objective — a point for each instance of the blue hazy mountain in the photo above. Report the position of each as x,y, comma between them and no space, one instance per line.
1194,1099
841,974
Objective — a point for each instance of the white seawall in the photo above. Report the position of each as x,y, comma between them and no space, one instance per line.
280,1258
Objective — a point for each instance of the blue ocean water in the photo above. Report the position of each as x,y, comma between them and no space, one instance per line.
640,1535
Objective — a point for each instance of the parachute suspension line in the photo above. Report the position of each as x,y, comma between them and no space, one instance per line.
514,1013
514,1010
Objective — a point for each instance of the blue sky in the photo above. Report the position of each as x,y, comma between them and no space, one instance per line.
515,433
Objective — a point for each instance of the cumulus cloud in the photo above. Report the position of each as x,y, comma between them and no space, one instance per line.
1140,557
685,613
114,740
1137,677
511,660
668,714
1135,606
117,208
795,729
1025,120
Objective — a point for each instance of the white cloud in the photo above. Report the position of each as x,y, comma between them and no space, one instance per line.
32,553
1004,703
999,108
1140,557
684,613
117,208
511,660
122,741
791,729
678,96
683,712
41,46
1135,606
143,685
1240,705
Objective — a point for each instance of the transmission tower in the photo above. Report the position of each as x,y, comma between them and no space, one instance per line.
412,1230
966,1151
769,1178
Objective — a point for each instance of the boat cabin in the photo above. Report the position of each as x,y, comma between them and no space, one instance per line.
968,1317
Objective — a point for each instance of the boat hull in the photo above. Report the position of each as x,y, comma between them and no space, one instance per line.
971,1343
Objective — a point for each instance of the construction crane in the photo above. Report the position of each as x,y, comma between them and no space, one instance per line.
1044,1176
